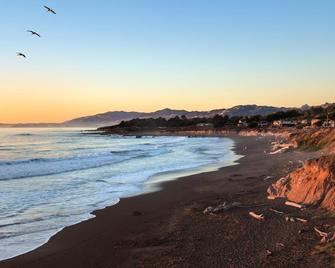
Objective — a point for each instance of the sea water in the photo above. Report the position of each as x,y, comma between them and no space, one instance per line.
53,178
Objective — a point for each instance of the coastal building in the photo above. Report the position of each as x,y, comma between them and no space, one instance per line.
315,122
205,125
242,123
285,123
276,123
305,122
289,123
329,124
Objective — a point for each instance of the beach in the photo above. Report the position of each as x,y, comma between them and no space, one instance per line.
167,228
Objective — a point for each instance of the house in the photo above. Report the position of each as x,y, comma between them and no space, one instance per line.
329,124
315,122
289,123
205,125
276,123
242,123
284,123
305,122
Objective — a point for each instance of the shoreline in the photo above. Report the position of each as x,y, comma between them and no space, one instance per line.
124,234
152,184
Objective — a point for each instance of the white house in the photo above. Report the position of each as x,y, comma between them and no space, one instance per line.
284,123
329,124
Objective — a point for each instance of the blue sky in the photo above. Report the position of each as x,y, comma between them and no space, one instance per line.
145,55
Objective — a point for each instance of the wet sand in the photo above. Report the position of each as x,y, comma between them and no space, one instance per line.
168,229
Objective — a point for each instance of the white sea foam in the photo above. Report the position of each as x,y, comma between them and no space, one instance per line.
50,179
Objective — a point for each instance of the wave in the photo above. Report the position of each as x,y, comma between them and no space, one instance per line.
15,162
129,166
36,167
23,134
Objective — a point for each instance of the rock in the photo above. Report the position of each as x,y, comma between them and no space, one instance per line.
313,184
208,210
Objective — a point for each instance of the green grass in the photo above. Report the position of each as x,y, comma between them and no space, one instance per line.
307,146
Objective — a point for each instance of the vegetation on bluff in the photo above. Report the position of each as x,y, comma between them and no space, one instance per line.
218,121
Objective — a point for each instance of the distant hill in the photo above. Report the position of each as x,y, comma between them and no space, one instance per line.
115,117
251,110
112,118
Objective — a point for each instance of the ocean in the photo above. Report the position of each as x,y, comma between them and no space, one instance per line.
53,178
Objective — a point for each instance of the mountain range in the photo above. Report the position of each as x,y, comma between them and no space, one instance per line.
115,117
111,118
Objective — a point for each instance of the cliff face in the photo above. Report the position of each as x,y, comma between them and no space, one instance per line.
315,139
314,183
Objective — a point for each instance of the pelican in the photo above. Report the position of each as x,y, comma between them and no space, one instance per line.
49,10
19,54
33,33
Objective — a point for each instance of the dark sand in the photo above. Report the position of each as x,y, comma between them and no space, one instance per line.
168,229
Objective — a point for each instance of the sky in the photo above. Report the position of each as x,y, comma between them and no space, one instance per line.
145,55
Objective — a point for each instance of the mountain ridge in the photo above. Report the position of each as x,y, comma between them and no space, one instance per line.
115,117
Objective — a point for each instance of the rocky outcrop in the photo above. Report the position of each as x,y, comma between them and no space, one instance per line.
313,184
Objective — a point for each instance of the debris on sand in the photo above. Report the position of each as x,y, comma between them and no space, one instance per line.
322,234
259,217
280,245
295,219
293,204
269,253
268,178
223,207
325,237
227,206
291,219
208,210
301,220
276,211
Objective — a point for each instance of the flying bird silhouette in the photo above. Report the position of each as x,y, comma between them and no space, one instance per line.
19,54
50,10
33,33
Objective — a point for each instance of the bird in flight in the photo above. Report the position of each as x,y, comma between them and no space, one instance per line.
33,33
50,10
19,54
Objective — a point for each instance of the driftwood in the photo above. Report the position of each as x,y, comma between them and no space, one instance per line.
276,211
208,210
301,220
268,178
227,206
223,207
292,204
291,219
294,219
259,217
280,245
325,237
322,234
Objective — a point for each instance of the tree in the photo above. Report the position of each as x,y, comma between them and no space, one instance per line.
220,121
